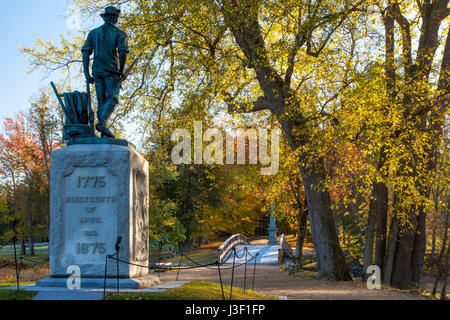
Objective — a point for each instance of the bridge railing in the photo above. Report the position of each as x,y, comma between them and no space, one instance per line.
284,250
233,241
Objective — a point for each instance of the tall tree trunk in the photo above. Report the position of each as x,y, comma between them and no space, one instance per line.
442,255
30,225
381,230
23,247
402,273
419,247
434,225
302,217
377,220
31,247
433,241
330,257
370,233
380,190
391,247
445,277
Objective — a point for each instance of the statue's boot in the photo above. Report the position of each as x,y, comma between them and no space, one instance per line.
103,117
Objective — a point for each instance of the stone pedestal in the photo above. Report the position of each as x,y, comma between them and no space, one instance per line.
98,192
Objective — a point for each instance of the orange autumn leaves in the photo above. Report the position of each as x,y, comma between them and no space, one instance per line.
20,152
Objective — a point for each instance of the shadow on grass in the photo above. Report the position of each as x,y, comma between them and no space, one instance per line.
195,290
10,294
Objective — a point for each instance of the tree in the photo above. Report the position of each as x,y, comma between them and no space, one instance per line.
164,224
22,164
44,123
418,109
43,120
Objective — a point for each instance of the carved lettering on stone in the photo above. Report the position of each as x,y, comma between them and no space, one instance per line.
90,201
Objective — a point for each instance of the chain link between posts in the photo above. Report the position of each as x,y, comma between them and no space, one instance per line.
211,265
18,261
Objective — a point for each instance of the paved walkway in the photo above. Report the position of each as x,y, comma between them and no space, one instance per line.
271,281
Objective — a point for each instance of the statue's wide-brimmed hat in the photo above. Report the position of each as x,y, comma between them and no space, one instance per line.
110,11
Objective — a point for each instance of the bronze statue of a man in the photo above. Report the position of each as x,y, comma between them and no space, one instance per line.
110,48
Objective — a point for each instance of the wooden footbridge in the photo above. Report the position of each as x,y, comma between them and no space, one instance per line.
237,248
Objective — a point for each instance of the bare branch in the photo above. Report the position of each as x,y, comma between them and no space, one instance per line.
246,29
335,96
405,29
298,43
444,77
326,19
260,104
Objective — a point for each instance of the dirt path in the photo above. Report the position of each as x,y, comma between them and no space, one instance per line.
270,280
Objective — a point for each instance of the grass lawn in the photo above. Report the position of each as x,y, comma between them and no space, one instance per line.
40,248
303,273
195,290
203,256
37,260
8,294
309,262
4,284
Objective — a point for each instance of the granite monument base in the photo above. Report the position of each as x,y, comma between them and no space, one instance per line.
99,283
98,196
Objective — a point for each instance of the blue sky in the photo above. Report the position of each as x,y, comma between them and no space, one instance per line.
21,23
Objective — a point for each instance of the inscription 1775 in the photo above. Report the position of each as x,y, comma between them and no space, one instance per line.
91,181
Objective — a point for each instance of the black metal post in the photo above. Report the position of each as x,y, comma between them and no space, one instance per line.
245,270
117,266
15,260
179,266
232,272
159,258
117,246
20,267
254,271
104,282
220,277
